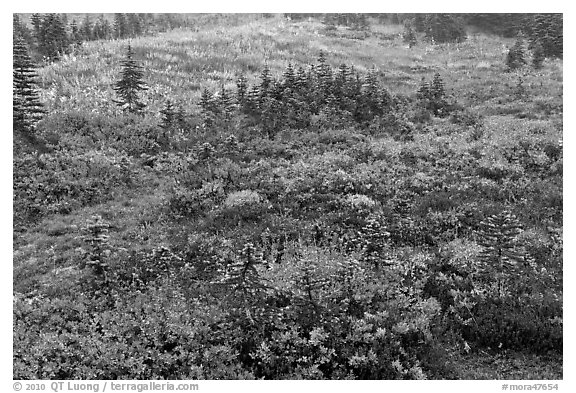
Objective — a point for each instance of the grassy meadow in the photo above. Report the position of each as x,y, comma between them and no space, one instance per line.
176,229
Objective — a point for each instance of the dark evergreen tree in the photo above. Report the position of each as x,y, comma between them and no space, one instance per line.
120,26
516,56
340,82
243,274
271,116
438,95
242,89
433,96
75,34
423,92
97,240
546,30
370,103
130,85
22,30
437,88
323,76
168,116
36,21
245,285
441,28
55,36
206,151
253,101
506,25
87,28
501,253
27,108
207,108
231,143
225,105
301,80
102,28
538,57
309,282
332,101
134,25
289,77
180,117
265,81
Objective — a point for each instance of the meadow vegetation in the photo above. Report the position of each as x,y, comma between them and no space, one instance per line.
420,238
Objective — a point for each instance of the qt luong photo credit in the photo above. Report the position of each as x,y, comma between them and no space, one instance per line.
287,196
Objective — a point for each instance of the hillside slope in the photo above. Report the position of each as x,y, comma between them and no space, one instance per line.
339,249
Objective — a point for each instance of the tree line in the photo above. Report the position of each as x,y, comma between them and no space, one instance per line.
49,36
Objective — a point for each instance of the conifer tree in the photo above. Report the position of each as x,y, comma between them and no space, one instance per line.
129,86
206,151
516,56
120,26
301,80
75,34
231,142
20,29
226,106
242,88
309,284
243,275
180,117
444,28
102,28
207,108
371,83
323,76
271,116
244,281
500,253
87,28
423,92
253,100
538,56
54,39
36,20
168,116
342,75
133,25
289,77
97,239
433,96
438,93
265,81
27,109
546,30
